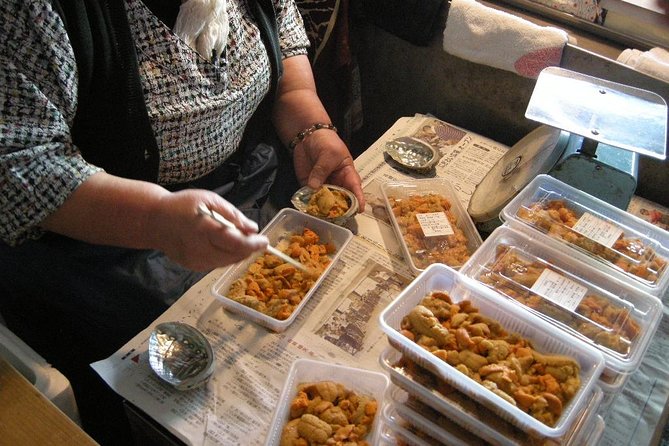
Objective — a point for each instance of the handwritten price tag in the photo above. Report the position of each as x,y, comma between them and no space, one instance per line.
434,223
597,229
559,289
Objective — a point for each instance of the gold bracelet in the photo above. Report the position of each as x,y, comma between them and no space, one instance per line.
308,131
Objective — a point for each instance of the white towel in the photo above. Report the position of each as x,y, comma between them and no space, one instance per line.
654,62
485,35
203,25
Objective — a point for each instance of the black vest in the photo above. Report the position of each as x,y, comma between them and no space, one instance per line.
111,126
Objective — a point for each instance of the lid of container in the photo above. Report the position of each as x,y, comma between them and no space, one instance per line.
534,154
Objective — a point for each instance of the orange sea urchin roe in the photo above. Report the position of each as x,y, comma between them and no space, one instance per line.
276,288
451,249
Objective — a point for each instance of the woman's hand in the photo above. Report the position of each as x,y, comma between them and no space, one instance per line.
321,156
324,158
199,242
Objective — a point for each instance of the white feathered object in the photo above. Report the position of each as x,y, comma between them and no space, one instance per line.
203,25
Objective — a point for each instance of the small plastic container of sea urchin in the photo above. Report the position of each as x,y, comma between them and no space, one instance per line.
430,222
286,223
362,382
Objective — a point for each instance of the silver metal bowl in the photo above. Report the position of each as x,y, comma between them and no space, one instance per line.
180,355
412,154
302,198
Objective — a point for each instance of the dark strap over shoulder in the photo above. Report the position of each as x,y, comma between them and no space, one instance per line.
112,126
265,15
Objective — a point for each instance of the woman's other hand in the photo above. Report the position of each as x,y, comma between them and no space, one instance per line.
324,158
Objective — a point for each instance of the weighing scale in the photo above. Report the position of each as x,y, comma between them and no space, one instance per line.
592,134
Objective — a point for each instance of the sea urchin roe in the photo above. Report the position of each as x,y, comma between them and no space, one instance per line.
276,288
602,320
450,249
328,203
504,363
326,412
629,254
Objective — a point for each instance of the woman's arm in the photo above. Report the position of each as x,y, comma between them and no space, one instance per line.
109,210
322,156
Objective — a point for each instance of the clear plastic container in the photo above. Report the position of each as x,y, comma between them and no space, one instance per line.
429,231
402,430
287,222
611,391
431,422
580,300
472,416
599,234
545,337
361,381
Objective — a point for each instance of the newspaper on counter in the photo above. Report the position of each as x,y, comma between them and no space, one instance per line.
339,324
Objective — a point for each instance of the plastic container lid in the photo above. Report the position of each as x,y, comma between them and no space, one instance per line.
582,301
287,222
599,234
545,337
534,154
363,382
470,415
426,233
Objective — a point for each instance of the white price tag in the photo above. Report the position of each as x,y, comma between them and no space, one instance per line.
597,229
434,223
559,289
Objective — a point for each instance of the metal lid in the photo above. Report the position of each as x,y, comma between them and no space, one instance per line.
534,154
614,114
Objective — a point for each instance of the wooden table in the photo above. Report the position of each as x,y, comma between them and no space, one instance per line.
27,417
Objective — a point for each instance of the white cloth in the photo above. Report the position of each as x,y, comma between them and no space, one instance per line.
488,36
203,25
654,62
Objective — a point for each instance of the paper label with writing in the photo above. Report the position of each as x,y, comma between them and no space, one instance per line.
597,229
559,289
434,223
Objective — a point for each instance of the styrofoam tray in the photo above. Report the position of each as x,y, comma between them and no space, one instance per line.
605,219
287,221
545,338
441,187
363,382
570,279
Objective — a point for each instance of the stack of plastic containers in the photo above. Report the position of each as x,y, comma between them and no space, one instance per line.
572,273
602,271
483,414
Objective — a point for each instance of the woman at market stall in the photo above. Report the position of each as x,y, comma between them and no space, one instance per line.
117,119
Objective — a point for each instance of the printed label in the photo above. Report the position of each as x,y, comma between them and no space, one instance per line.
434,223
597,229
559,289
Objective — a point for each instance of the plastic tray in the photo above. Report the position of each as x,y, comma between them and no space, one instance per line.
363,382
286,222
545,337
438,427
432,221
558,284
399,428
600,223
472,416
